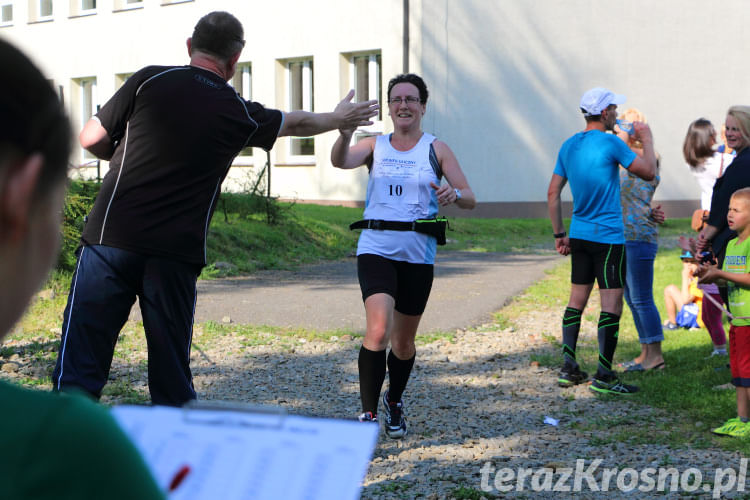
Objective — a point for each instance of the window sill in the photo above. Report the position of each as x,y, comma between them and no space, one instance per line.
82,14
295,164
39,21
126,9
164,3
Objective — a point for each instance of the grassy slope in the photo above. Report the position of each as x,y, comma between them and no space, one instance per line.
310,233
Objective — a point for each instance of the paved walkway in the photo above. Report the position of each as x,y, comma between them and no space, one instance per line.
468,288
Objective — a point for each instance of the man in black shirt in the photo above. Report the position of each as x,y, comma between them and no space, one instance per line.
171,134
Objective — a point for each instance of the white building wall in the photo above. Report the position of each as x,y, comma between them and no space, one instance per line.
111,42
505,76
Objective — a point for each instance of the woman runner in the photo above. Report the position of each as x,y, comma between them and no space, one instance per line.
395,266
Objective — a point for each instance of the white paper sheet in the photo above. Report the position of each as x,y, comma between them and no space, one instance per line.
250,455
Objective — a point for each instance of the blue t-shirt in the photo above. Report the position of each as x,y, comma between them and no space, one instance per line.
589,161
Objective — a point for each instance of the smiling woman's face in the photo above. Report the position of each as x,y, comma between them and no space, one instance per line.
404,104
733,132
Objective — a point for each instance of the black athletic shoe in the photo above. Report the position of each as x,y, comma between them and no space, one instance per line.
570,376
611,385
395,421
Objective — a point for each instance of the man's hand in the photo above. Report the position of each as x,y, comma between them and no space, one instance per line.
707,273
562,245
702,243
642,132
346,117
688,245
351,115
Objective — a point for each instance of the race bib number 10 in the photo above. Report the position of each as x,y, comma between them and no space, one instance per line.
396,182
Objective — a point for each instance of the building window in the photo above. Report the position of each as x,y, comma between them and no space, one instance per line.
6,12
300,92
45,8
127,4
365,76
366,79
40,10
242,83
82,7
121,78
84,105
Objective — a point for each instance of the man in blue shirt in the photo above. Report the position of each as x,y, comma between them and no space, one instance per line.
589,160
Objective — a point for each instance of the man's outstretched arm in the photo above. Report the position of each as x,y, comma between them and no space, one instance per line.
346,115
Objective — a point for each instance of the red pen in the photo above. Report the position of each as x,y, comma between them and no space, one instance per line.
179,477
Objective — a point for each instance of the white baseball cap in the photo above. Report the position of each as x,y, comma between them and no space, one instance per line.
596,100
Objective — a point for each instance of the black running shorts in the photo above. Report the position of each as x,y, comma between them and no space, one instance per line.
603,261
409,284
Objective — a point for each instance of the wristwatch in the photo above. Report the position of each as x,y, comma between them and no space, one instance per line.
560,235
458,193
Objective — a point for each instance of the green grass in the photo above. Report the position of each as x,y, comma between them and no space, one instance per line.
311,233
464,493
685,389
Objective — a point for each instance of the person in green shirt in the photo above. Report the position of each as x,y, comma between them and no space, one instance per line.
53,445
736,274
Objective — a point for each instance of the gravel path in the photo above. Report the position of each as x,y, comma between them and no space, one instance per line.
468,288
476,406
470,402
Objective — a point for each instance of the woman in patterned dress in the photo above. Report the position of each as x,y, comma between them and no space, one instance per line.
641,244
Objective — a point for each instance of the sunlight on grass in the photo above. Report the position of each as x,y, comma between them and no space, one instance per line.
686,388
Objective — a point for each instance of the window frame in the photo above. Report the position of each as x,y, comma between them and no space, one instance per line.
78,8
307,91
82,111
3,4
242,81
42,17
375,88
374,77
125,5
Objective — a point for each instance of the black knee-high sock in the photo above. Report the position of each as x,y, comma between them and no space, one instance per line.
609,325
571,325
398,375
371,377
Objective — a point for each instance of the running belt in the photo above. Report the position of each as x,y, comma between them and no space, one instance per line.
431,227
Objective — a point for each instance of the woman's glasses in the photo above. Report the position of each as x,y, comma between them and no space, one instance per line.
410,99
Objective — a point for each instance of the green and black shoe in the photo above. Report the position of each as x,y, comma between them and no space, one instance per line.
734,427
571,375
611,385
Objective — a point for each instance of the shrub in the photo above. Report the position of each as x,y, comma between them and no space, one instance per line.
78,203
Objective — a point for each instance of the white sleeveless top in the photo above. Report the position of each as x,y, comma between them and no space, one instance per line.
399,190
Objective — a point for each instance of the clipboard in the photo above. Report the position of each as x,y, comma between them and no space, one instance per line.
221,450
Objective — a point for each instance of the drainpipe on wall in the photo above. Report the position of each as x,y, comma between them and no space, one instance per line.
406,37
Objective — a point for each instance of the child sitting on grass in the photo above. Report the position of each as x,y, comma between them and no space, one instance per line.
735,273
685,300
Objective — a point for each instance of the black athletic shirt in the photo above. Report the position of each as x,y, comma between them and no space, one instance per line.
177,131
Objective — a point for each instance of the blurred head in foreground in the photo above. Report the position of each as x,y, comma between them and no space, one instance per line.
35,142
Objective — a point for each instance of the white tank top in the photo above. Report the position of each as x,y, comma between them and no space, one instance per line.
399,190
